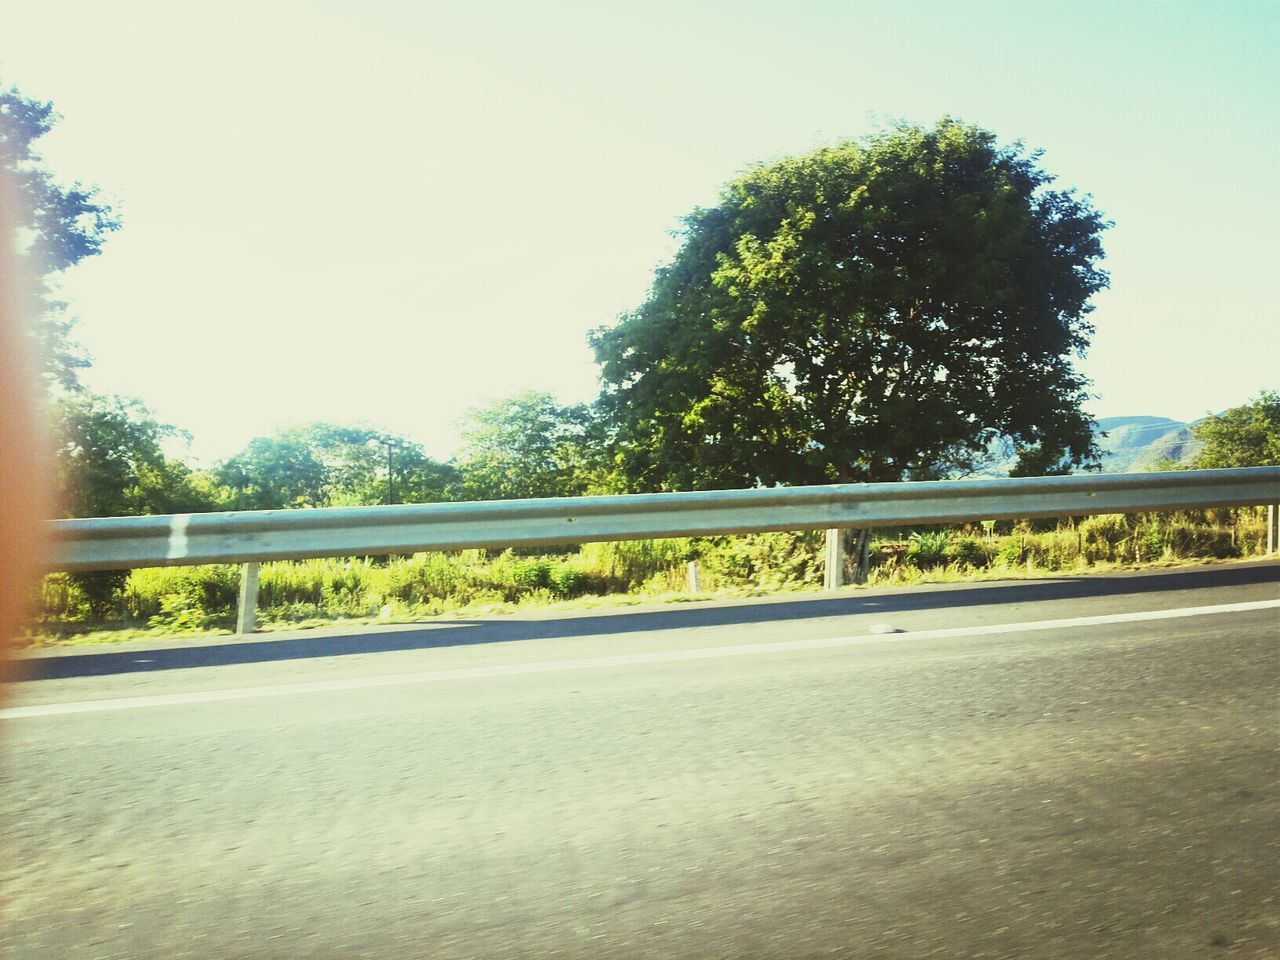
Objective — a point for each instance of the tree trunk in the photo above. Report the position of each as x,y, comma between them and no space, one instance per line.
856,555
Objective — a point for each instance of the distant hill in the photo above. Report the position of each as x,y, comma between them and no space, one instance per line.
1130,445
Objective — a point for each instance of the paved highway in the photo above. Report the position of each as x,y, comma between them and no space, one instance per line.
1069,768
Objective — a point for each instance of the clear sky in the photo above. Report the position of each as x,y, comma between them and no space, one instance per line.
389,212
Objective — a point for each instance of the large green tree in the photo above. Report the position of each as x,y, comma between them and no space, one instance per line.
58,224
873,311
1244,436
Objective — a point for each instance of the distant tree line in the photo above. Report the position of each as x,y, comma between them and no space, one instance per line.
110,461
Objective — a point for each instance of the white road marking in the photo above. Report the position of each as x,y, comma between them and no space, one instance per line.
621,660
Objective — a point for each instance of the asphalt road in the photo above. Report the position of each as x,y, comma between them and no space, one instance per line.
757,780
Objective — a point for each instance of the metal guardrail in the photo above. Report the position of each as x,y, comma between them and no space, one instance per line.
127,542
251,537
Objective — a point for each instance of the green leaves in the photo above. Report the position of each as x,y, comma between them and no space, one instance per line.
108,461
1244,436
324,464
58,225
529,445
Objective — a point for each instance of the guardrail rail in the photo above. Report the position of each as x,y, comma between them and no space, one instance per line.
250,537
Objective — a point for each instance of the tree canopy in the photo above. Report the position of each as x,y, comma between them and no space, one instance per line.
109,461
877,310
528,445
1244,436
325,464
58,225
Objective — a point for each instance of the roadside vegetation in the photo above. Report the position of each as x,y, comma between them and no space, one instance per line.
325,592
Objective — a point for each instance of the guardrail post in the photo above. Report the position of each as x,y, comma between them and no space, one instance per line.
1273,528
833,578
695,577
247,611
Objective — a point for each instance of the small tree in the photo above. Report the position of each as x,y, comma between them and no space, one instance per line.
274,473
1244,436
528,445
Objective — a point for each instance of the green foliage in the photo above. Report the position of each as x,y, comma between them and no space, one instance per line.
1101,537
969,552
928,549
178,615
58,225
629,564
273,473
62,599
878,310
1012,552
567,581
1244,436
532,573
427,577
528,446
182,598
765,560
108,461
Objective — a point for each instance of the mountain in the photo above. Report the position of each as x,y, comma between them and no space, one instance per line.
1133,444
1129,445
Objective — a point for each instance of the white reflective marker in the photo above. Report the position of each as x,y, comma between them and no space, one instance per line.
178,545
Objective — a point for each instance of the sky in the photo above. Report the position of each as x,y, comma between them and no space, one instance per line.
392,212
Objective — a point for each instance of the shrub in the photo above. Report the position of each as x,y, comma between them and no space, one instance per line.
969,552
180,615
928,549
1101,537
289,583
628,564
531,574
183,597
61,599
767,560
565,581
1011,553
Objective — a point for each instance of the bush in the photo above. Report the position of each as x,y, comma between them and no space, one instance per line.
765,560
532,574
61,599
1102,537
928,549
183,597
1012,552
178,614
629,564
565,582
968,552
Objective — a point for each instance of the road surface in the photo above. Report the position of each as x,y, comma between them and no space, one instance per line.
1070,768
